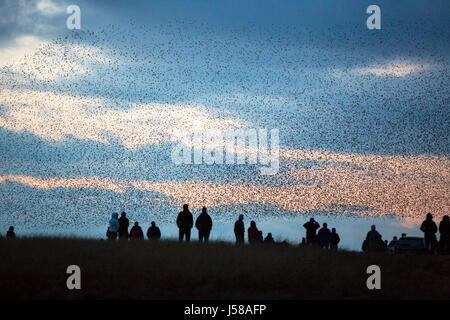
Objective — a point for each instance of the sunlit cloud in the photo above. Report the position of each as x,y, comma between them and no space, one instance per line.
50,183
86,118
23,45
393,69
410,186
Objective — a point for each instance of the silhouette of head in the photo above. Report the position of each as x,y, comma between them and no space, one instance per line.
11,228
311,220
123,214
136,224
269,235
153,223
446,218
373,227
241,217
115,215
325,225
403,235
395,237
252,223
429,216
333,230
204,210
185,207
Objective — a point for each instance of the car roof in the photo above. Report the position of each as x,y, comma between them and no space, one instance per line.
411,238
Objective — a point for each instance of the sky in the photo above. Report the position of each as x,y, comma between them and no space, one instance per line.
88,117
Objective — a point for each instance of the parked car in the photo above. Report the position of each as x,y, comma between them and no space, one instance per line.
410,245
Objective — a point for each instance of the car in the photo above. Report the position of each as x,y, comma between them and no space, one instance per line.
410,245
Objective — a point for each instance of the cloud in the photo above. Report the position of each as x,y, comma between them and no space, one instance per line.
49,8
55,116
368,185
21,46
394,69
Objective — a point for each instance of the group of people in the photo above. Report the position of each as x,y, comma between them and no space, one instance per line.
118,227
430,229
374,241
322,237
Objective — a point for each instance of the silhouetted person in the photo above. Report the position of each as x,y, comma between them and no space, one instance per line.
113,226
136,232
260,236
429,228
203,225
303,243
393,242
311,228
185,222
373,241
239,229
323,236
403,235
253,233
444,231
123,226
269,239
153,233
334,239
10,235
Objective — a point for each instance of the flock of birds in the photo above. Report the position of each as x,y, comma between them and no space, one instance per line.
344,89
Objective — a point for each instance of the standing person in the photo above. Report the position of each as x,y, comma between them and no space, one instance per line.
184,223
429,228
374,241
311,228
269,239
323,236
334,239
10,235
392,243
444,231
153,233
136,232
123,226
113,226
239,229
253,233
203,225
303,243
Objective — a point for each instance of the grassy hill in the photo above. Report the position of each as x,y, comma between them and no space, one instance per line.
35,268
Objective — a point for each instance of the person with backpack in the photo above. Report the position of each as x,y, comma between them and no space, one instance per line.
203,225
185,222
136,232
153,233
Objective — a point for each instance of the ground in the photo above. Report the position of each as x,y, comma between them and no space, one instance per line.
35,268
